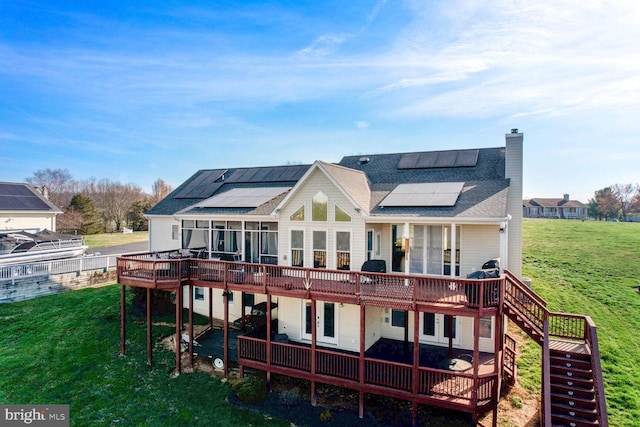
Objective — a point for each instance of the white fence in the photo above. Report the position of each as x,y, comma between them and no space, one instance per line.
59,266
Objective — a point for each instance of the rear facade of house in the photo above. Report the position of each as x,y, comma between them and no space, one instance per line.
390,274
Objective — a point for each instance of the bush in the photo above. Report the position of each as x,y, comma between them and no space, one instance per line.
250,389
326,416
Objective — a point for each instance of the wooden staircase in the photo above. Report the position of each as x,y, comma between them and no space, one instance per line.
572,387
573,394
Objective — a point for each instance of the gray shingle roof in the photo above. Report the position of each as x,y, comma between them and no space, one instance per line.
484,194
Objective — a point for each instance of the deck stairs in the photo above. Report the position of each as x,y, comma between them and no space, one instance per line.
572,388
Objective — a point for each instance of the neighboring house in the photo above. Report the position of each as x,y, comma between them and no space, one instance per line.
554,208
22,207
295,239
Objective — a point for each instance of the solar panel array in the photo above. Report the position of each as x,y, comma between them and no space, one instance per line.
14,197
431,194
207,182
267,174
243,197
439,159
203,185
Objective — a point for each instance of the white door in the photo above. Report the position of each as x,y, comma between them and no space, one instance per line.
437,327
326,322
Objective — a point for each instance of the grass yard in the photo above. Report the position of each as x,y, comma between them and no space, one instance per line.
591,268
112,239
65,349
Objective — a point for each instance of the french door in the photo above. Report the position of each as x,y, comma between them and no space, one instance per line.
438,328
326,321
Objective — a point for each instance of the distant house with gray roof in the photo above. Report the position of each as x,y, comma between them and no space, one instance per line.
563,208
22,207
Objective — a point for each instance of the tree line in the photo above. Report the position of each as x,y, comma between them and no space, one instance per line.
97,206
617,201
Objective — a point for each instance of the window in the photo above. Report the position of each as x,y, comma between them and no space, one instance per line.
486,330
298,215
341,215
319,207
297,248
397,318
249,300
198,293
319,249
343,250
175,229
369,244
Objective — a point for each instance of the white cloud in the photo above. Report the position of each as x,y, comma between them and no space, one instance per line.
362,124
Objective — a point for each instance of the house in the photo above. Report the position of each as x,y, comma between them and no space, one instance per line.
22,207
427,324
563,208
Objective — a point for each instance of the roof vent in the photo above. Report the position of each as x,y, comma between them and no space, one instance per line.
514,130
364,160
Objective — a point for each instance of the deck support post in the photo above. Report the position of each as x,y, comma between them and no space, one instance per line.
178,310
268,342
211,308
149,334
361,361
415,386
225,329
123,320
476,365
191,337
313,351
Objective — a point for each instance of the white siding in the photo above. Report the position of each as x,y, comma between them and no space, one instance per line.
478,244
20,221
160,234
235,307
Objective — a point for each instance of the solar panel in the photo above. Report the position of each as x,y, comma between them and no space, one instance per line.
20,197
203,185
431,194
439,159
243,197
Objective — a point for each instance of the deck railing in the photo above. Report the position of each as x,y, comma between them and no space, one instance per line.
377,372
377,289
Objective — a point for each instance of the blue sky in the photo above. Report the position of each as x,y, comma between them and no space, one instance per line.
135,91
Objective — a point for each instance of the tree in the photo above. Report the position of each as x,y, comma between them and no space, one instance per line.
607,202
627,194
90,223
114,200
135,216
159,190
55,184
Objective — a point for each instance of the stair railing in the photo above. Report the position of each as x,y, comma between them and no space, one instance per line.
591,337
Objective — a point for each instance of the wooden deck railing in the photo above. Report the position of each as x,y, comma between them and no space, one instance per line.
377,289
378,373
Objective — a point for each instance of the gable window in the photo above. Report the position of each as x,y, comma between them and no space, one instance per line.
343,250
319,249
319,207
341,215
298,215
297,248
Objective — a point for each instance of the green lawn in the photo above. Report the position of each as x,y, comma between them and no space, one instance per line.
112,239
65,348
591,268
